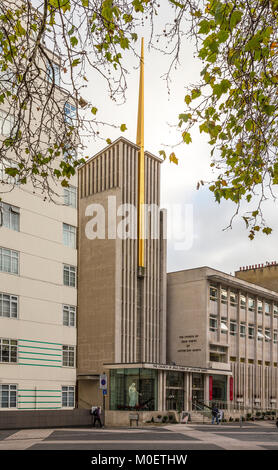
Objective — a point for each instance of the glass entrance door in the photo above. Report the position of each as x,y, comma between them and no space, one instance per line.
197,391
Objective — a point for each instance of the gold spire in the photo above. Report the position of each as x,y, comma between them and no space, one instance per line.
141,168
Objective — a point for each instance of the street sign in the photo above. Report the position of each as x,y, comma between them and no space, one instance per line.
103,381
104,391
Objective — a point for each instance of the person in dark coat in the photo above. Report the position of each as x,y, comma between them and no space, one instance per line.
96,417
215,414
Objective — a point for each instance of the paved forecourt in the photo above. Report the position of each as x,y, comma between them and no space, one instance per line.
252,436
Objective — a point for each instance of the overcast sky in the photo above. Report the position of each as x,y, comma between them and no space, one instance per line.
211,245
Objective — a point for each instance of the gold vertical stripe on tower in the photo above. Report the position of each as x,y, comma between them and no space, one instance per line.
141,173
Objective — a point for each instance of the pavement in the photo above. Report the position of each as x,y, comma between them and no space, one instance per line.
228,436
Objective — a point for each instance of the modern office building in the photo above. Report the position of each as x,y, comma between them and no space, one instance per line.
230,327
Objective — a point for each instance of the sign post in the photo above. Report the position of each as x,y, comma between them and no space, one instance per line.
103,387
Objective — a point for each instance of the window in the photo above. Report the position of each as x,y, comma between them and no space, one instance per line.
8,305
53,73
217,353
267,308
242,301
259,363
251,331
233,328
9,216
213,294
68,356
70,113
251,304
8,350
9,261
6,123
8,396
242,359
4,177
275,336
212,323
250,361
233,299
267,363
69,275
223,325
70,196
233,359
260,334
213,357
275,310
242,330
137,389
267,335
68,396
175,379
69,236
260,306
69,314
224,296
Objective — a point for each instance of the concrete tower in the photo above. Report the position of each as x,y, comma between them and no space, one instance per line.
122,273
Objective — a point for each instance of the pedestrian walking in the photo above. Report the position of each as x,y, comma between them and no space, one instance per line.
214,415
96,417
220,416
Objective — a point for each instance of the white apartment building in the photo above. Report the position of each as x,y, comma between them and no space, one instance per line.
38,294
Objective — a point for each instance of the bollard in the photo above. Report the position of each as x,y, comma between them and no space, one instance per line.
240,421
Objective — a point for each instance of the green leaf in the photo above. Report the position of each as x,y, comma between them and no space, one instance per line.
195,93
235,18
267,230
73,41
184,117
75,62
186,137
94,110
123,127
173,158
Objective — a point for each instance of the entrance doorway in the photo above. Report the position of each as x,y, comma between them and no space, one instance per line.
197,391
174,391
219,390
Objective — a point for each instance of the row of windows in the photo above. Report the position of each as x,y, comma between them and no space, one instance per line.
9,349
8,396
213,326
9,306
10,217
242,301
7,211
8,124
9,263
252,361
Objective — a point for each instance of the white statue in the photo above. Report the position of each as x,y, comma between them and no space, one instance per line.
133,395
